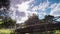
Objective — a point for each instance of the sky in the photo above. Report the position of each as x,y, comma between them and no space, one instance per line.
20,10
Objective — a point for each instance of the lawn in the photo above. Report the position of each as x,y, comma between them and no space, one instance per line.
6,31
57,31
1,21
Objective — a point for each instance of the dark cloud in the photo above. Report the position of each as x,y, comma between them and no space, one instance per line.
20,14
17,1
56,13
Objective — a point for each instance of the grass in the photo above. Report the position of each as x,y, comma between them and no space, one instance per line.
57,31
1,21
6,31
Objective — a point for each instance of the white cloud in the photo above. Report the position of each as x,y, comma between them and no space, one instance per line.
42,7
35,8
23,19
53,5
55,9
23,7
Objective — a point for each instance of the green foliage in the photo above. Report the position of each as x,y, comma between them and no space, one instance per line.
57,31
48,19
7,22
1,21
6,31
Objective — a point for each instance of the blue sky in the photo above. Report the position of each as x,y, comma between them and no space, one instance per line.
47,9
24,8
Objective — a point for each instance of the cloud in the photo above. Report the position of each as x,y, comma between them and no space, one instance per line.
14,2
24,8
41,7
20,12
55,9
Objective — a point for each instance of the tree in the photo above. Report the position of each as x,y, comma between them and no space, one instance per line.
4,6
48,19
32,20
8,23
